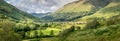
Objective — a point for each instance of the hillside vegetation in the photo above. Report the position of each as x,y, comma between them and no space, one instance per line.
83,20
109,11
102,24
78,9
9,17
11,13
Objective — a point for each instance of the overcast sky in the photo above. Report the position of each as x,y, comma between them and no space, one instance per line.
39,6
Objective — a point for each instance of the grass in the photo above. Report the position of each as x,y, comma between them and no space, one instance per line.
13,13
107,12
76,10
48,30
81,26
76,7
106,32
103,32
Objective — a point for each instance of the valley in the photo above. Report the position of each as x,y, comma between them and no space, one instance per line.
82,20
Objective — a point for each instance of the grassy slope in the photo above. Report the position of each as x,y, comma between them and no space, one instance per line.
103,33
110,10
12,13
107,33
77,10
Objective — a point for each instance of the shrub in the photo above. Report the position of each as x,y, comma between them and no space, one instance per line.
66,31
51,32
5,9
27,34
33,34
110,22
78,28
92,24
40,34
21,27
100,32
113,20
46,25
32,26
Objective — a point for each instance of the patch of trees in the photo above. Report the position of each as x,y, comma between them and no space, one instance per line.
96,22
23,26
92,24
3,17
5,9
39,34
28,29
113,20
66,31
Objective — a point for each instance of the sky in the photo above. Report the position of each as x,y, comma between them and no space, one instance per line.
38,6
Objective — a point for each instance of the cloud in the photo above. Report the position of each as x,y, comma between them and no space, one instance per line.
39,6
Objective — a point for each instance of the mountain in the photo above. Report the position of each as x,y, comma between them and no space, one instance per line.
104,23
39,15
112,9
41,6
76,10
104,32
10,12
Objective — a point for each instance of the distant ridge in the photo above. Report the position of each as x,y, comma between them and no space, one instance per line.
78,9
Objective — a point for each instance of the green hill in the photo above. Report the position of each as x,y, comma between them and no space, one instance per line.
108,11
108,25
78,9
102,25
12,18
12,13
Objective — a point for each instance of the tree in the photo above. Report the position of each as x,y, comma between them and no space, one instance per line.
40,34
66,31
32,26
27,34
92,24
78,28
51,32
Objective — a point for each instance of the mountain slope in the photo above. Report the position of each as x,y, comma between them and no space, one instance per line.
39,15
108,31
109,11
12,13
77,10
